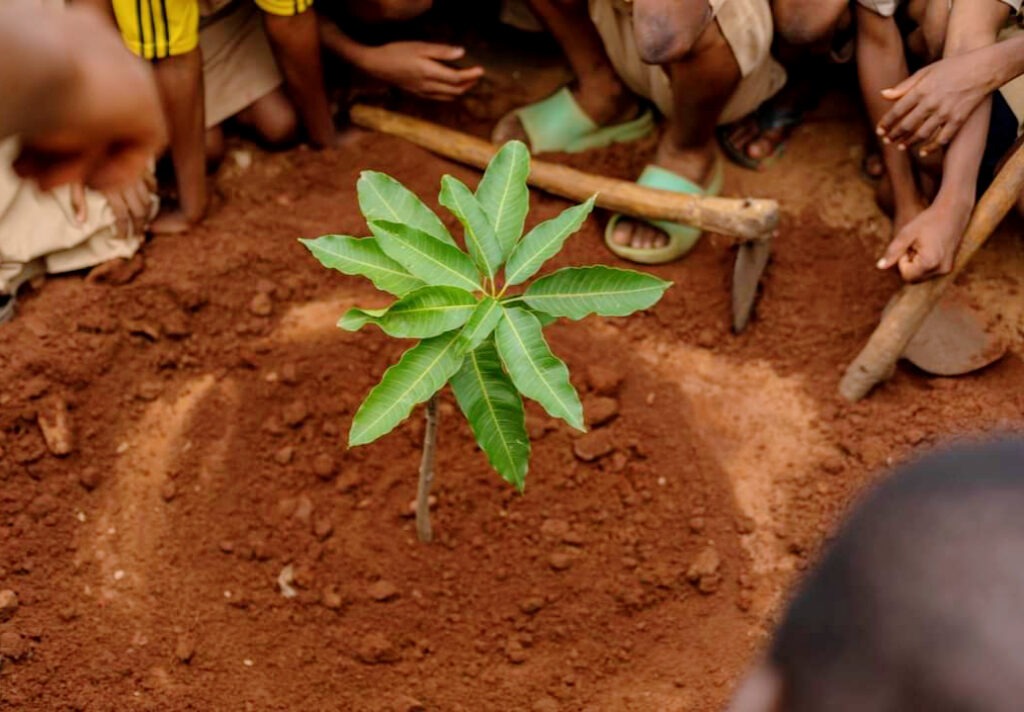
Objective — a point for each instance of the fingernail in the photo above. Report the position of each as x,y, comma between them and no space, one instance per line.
886,141
901,147
880,131
881,264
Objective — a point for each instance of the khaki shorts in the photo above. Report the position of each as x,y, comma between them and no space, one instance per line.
238,64
38,231
747,27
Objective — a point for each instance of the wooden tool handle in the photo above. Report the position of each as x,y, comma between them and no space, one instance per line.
745,218
915,301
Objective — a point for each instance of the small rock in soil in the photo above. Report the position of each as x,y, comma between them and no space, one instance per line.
8,604
560,561
149,390
322,528
261,305
703,572
697,524
600,410
554,528
89,478
514,652
289,374
376,649
303,509
168,490
604,380
55,422
12,645
331,598
285,579
295,414
324,466
382,591
593,446
531,605
185,648
284,455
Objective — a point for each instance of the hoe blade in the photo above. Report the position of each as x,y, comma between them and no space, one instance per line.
751,260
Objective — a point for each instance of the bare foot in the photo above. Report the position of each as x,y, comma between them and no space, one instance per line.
606,101
695,164
170,222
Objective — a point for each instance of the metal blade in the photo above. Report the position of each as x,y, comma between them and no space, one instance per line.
751,260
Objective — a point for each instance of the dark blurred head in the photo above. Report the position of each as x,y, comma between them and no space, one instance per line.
918,603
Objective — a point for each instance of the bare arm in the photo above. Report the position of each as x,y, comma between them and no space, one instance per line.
296,43
881,63
932,106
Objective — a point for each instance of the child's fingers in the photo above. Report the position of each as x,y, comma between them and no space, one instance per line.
78,203
895,116
925,134
449,75
901,134
443,52
897,250
900,90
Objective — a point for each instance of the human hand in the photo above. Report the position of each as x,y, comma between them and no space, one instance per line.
105,123
926,246
132,205
933,105
419,68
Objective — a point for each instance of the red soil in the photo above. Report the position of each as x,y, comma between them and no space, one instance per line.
209,400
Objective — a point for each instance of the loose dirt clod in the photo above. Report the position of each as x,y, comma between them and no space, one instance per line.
55,423
324,466
382,591
8,604
185,648
295,413
376,649
600,410
261,305
13,645
560,561
704,570
604,380
284,455
593,446
531,605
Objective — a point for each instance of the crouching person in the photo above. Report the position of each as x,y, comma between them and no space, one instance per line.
63,230
701,62
916,603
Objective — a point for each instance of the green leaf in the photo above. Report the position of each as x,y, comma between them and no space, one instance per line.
537,373
381,197
483,245
424,257
363,257
481,324
504,195
544,242
427,312
576,292
495,413
422,371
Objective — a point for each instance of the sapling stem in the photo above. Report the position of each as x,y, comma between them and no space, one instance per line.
423,529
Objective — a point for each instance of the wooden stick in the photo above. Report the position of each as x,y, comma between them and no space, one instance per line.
915,301
748,219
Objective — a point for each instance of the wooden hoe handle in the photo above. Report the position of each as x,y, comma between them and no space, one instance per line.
747,219
876,361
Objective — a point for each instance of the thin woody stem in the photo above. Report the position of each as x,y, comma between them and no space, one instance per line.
423,529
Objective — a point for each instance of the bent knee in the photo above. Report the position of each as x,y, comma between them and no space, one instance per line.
401,10
280,128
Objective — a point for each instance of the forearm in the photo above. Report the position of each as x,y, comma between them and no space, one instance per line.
32,89
881,64
341,45
295,41
973,28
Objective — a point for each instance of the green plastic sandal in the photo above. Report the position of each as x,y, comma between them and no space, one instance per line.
681,238
559,124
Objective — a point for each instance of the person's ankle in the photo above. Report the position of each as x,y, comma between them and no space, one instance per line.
604,98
